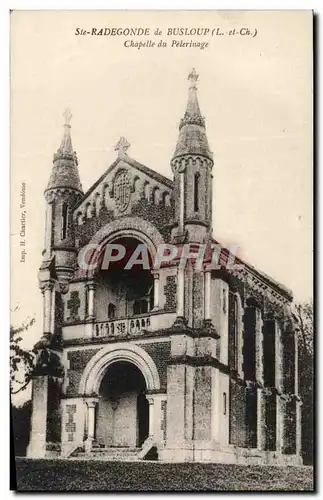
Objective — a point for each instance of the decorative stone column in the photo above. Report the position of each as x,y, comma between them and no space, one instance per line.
278,385
181,202
91,418
296,363
239,347
292,423
180,292
259,347
53,304
298,427
90,301
156,291
261,436
48,228
151,401
298,416
47,290
207,296
278,358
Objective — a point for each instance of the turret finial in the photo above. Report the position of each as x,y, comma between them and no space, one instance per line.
65,172
66,142
67,116
193,77
122,146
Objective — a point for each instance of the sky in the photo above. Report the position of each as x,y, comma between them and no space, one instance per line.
255,94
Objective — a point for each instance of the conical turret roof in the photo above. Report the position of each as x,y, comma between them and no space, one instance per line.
65,164
192,134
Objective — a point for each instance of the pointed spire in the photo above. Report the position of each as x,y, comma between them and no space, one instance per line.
66,143
192,113
65,172
192,137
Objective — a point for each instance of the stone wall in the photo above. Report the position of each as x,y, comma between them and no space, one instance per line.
85,231
170,290
53,427
202,403
251,417
159,215
237,414
77,361
160,353
270,421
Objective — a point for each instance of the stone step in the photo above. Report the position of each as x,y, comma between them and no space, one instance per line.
112,454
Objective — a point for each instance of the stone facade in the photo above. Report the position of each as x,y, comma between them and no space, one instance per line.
197,364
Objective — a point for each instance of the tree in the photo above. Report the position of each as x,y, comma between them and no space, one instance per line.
21,416
21,360
39,361
303,316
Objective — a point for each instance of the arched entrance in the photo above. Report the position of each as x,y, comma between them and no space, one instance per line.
123,410
114,385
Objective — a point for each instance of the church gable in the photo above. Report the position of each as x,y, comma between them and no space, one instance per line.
127,188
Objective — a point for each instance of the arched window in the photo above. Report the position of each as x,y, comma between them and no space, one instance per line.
111,311
136,307
224,403
136,183
147,190
79,218
106,195
89,211
151,298
97,203
166,199
143,306
196,191
140,307
224,300
64,220
235,332
156,195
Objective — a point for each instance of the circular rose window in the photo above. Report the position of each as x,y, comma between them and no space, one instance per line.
122,190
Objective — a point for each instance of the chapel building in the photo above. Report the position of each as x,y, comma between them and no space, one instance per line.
179,363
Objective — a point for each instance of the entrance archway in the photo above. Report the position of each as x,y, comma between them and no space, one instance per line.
123,410
121,351
95,371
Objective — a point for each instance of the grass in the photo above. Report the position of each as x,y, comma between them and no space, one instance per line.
76,475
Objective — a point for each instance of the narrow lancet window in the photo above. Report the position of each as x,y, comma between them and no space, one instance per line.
224,403
111,311
236,333
64,220
196,191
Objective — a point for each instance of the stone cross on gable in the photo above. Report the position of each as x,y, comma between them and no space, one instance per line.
122,146
73,304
